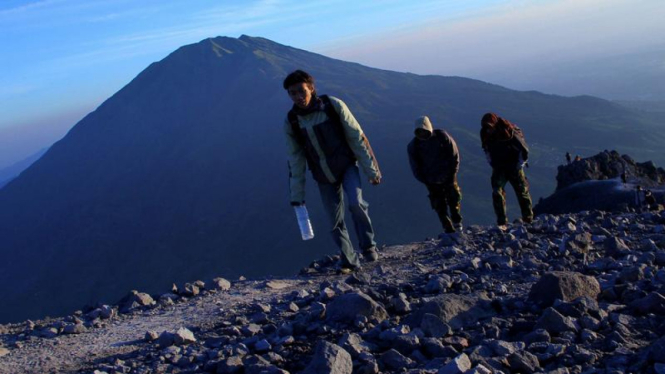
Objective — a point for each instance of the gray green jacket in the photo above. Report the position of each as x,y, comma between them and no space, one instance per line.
328,150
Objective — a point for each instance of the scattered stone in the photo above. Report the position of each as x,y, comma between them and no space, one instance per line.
183,336
135,300
400,304
166,339
565,286
73,328
231,365
221,284
456,310
459,365
434,326
262,346
277,285
504,348
347,307
151,336
652,303
615,247
523,362
329,359
554,322
393,360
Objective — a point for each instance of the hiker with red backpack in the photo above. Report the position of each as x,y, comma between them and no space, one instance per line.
322,133
434,161
507,153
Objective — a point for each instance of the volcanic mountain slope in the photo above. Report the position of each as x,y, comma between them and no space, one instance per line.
10,172
182,173
581,293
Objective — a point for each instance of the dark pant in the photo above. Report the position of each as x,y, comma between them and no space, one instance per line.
517,179
444,197
333,201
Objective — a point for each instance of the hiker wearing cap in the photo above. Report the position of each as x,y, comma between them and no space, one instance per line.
322,134
507,153
434,160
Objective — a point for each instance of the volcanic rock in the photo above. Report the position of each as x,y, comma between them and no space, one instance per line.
329,359
565,286
456,310
347,307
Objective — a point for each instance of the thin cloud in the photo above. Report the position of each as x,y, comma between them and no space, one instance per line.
16,90
503,36
28,7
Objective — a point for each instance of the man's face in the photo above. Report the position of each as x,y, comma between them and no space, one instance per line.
301,94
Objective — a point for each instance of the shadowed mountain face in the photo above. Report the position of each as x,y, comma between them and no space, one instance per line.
182,174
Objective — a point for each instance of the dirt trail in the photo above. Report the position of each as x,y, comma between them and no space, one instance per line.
125,334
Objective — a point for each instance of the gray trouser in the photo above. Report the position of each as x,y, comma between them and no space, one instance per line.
333,201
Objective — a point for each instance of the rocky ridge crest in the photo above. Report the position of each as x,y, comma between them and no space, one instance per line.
610,165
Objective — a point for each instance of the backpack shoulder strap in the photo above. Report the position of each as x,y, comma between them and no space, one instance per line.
330,109
295,127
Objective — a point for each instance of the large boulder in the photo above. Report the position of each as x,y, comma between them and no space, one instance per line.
563,285
455,310
329,359
347,307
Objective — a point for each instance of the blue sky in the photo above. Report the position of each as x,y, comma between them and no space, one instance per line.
61,58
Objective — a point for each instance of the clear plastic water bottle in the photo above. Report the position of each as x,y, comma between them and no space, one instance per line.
305,225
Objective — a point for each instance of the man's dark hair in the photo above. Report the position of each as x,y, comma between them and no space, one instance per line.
298,76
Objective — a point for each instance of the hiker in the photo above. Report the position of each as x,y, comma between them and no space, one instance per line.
650,200
507,153
434,160
639,198
568,159
322,133
624,178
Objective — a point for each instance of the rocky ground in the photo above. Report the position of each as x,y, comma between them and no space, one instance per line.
579,293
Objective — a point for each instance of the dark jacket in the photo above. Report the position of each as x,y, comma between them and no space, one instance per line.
506,151
327,138
435,160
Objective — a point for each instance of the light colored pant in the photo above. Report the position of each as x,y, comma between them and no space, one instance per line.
333,201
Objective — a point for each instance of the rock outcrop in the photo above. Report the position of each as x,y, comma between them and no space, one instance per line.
595,183
610,165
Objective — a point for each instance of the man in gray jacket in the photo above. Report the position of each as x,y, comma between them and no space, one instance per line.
434,160
322,133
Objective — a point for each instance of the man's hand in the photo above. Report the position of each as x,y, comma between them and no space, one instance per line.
375,181
522,165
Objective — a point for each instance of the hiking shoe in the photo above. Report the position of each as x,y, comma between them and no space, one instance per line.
347,269
503,227
458,227
371,254
527,220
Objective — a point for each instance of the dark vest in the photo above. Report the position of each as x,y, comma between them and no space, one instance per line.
332,140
